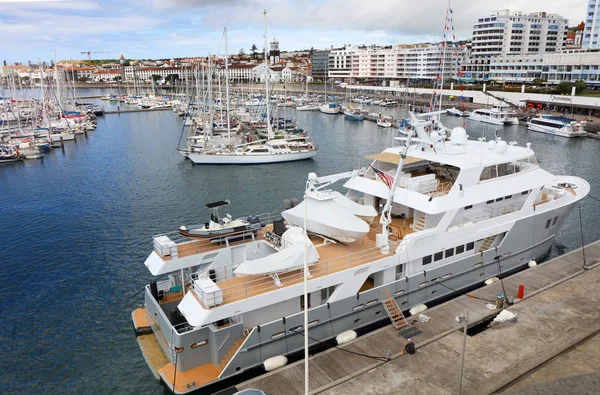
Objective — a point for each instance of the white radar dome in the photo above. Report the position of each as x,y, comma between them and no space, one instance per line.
458,136
501,147
491,144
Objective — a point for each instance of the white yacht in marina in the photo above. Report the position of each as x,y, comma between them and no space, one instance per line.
499,114
557,126
422,222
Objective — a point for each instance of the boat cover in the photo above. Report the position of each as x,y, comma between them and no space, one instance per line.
366,212
288,259
328,217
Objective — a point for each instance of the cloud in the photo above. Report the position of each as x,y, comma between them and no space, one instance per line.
171,28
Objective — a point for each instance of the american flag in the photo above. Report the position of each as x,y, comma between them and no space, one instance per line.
387,180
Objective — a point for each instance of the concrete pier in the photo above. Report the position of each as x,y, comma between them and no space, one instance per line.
559,311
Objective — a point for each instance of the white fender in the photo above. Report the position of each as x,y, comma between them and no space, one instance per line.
492,280
532,263
275,362
417,309
345,337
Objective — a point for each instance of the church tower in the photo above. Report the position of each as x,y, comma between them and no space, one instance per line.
274,52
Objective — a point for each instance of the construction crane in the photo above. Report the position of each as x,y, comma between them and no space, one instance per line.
89,54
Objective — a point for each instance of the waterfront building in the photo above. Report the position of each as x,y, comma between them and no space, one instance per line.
260,74
319,60
398,62
240,72
504,33
572,65
592,25
516,68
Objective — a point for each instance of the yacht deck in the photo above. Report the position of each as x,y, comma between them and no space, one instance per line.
334,257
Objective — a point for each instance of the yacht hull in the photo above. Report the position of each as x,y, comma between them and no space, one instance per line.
224,159
527,239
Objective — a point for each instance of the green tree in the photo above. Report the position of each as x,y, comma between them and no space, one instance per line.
253,50
537,81
580,87
117,78
564,88
172,77
83,79
156,77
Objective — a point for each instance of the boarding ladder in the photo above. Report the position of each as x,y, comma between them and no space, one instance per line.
393,311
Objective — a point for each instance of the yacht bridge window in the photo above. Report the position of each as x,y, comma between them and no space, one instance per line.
506,169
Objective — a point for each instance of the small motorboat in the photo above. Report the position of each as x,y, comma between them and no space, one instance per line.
457,113
384,123
353,115
220,226
9,153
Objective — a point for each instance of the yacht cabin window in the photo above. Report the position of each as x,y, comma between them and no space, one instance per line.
427,260
438,256
548,223
470,246
460,249
506,169
449,252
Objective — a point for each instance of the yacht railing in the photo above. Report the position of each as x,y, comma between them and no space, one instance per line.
257,286
493,212
181,245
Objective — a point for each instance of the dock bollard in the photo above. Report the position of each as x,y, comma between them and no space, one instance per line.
521,291
500,301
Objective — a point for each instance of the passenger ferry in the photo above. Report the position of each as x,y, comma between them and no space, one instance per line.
424,221
499,114
558,126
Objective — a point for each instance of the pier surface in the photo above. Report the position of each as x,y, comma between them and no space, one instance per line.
558,312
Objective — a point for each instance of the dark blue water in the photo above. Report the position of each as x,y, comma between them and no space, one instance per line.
77,226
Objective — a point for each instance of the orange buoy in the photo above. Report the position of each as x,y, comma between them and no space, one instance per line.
521,291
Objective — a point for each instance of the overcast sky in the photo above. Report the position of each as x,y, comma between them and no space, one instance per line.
178,28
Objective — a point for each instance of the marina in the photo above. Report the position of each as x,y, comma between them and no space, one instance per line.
369,219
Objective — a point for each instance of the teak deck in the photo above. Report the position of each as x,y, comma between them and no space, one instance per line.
333,258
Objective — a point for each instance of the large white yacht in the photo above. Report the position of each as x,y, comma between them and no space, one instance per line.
499,114
558,126
422,222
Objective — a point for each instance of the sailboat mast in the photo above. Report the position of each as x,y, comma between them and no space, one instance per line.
227,87
267,69
210,97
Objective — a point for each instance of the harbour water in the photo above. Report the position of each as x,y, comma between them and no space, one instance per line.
77,227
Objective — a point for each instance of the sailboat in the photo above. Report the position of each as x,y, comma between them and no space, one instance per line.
351,113
271,150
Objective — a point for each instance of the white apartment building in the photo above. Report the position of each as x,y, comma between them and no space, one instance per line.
572,65
504,33
398,62
592,26
516,68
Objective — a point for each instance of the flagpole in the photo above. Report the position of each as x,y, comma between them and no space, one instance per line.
305,300
443,61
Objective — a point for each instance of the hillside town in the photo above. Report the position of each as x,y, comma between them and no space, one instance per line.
506,47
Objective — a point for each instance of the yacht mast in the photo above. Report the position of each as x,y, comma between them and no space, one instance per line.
227,87
210,98
443,60
267,74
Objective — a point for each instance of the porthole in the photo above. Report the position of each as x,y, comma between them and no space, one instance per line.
199,344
